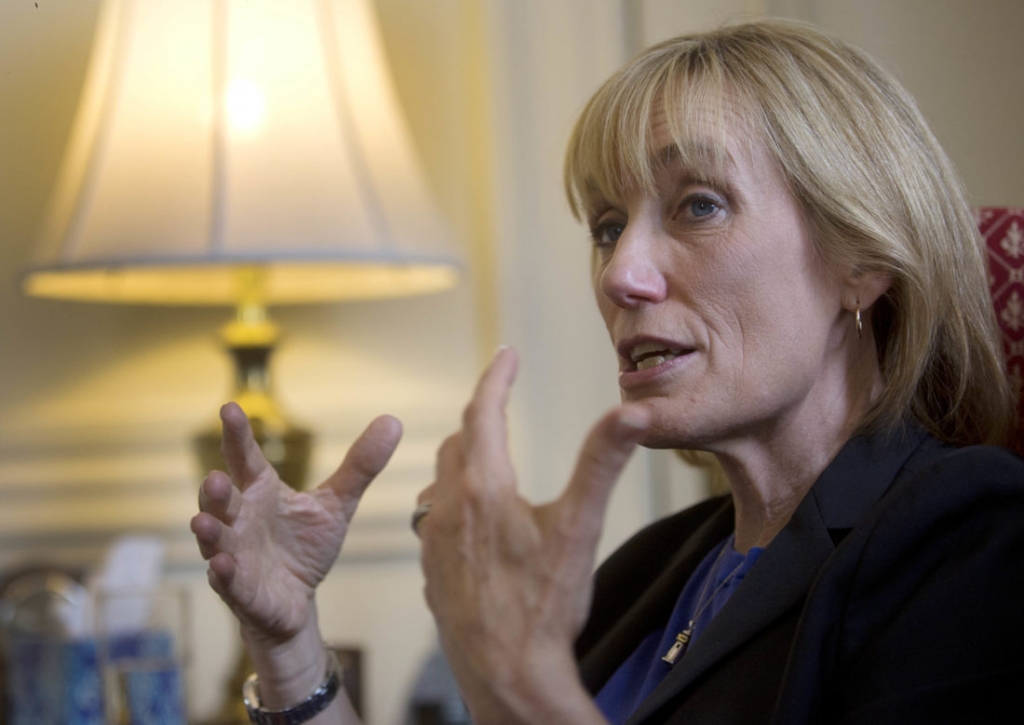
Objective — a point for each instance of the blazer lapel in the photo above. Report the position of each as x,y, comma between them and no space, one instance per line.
858,476
780,579
655,604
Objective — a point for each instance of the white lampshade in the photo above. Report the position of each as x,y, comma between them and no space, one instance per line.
218,135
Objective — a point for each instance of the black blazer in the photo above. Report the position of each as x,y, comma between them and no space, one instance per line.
895,594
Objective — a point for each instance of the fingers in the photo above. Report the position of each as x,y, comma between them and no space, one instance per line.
219,497
221,574
605,453
365,459
485,431
242,455
213,532
451,458
207,531
219,503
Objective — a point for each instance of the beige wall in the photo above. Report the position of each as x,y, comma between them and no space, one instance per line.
97,403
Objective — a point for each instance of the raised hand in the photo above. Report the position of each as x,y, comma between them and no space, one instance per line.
269,546
508,582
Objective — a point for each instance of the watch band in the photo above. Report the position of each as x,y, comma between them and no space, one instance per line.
318,700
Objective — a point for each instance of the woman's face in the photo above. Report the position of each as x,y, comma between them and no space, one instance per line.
725,320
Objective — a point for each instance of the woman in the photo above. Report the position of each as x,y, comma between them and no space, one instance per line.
790,275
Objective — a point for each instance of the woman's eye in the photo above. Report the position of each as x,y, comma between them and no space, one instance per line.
607,233
701,207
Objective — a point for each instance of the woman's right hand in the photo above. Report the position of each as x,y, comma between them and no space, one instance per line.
269,546
508,582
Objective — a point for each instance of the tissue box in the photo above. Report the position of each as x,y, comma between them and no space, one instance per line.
145,676
53,682
58,682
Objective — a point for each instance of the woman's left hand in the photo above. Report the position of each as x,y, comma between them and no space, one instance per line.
510,583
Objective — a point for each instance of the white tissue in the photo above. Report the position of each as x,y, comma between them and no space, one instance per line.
133,564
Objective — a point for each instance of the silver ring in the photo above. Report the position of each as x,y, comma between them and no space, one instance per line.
418,515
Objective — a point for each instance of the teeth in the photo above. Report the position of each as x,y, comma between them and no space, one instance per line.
653,361
646,348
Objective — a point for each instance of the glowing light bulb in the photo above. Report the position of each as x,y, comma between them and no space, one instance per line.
246,105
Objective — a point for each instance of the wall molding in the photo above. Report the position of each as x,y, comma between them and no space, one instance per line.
64,504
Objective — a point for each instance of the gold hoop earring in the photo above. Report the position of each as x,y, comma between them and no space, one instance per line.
859,323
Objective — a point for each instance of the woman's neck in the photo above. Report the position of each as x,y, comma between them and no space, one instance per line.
766,491
772,470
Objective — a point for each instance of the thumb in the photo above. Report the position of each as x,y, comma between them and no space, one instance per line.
364,460
605,453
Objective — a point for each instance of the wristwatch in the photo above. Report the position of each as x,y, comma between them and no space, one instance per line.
320,698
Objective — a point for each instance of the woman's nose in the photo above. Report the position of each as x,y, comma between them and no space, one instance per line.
632,276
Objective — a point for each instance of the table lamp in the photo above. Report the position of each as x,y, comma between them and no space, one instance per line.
244,153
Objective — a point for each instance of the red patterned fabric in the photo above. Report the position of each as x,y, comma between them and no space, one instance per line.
1003,230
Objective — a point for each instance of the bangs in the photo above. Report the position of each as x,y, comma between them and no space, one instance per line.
611,150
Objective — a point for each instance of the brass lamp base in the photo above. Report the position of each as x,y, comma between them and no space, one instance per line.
286,446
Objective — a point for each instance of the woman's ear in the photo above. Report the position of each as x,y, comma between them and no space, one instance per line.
862,289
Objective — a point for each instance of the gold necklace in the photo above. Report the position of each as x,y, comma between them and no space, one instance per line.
683,638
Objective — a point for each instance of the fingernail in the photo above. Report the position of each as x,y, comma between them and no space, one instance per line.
500,349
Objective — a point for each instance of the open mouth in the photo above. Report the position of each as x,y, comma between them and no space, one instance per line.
649,355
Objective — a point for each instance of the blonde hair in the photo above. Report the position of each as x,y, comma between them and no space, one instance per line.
877,191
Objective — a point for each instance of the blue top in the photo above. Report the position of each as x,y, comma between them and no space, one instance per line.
704,595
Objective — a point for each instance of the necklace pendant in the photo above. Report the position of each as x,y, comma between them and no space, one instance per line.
678,647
